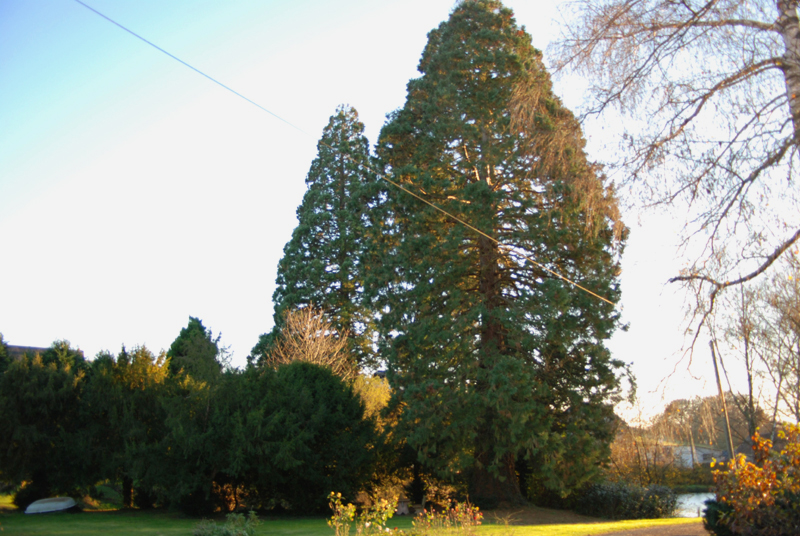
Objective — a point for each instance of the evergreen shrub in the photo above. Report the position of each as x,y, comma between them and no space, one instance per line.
29,493
235,525
712,514
625,501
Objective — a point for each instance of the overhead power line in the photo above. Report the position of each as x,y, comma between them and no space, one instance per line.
382,176
195,69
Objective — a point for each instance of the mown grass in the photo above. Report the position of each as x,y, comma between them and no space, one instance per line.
160,523
580,529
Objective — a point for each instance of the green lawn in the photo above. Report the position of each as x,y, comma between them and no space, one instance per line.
580,529
168,524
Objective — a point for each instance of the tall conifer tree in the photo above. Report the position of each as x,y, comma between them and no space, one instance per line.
493,358
322,263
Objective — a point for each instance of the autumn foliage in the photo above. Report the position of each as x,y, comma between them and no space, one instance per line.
763,497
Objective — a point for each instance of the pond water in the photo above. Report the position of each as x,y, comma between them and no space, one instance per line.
692,504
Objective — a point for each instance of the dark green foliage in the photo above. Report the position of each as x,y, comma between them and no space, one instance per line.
183,464
29,493
62,354
43,439
712,513
270,436
196,352
4,358
260,352
285,436
124,415
322,264
693,488
625,501
495,355
306,436
180,468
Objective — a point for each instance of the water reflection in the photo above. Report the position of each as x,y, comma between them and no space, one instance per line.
692,504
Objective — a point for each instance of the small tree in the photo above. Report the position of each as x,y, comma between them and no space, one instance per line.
308,336
782,358
197,352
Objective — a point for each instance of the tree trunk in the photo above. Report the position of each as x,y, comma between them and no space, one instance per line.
789,28
417,488
127,492
489,490
486,489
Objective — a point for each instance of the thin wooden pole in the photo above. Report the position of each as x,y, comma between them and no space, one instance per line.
722,397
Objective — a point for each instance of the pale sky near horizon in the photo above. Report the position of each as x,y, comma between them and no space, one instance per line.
135,193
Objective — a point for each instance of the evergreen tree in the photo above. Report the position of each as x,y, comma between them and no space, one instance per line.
196,352
64,355
124,411
43,437
322,262
492,357
4,358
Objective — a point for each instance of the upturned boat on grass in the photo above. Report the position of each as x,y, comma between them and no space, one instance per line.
53,504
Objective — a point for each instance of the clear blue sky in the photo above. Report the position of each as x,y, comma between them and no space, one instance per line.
135,193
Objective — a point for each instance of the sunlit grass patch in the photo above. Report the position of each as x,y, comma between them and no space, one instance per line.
580,529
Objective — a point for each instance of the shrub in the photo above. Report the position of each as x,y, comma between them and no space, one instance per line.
310,437
235,525
693,488
712,514
623,501
29,493
763,497
461,518
371,520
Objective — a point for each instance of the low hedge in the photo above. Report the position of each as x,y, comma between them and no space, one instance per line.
625,501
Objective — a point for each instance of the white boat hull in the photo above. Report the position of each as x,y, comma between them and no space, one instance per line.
54,504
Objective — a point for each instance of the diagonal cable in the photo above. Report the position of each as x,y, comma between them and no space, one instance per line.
382,176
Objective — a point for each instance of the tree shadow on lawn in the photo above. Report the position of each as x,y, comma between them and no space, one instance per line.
535,515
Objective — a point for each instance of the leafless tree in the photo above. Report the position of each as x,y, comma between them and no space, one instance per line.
308,336
748,339
708,95
783,357
761,326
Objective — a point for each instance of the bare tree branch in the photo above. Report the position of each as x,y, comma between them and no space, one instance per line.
708,95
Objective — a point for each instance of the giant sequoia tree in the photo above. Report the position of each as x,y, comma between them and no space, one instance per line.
492,356
322,263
